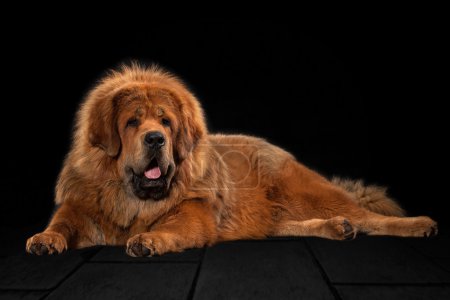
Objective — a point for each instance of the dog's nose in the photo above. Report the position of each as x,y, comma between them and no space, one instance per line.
154,139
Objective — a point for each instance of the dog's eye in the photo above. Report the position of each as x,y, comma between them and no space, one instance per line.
133,122
165,122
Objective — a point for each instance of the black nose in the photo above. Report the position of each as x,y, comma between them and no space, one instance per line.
154,139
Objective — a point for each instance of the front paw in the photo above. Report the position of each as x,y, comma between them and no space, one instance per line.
48,242
146,244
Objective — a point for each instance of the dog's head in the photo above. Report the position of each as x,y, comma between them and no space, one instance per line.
147,122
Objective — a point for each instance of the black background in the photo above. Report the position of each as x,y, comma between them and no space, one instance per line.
356,99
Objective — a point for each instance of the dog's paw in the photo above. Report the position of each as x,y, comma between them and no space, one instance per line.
146,244
339,228
423,227
48,242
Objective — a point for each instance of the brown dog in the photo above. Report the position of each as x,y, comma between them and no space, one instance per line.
144,172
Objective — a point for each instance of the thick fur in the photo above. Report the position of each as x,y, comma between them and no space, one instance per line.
371,197
218,187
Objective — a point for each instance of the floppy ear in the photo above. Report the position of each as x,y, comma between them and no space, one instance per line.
103,131
191,129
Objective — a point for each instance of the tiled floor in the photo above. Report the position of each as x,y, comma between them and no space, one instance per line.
307,268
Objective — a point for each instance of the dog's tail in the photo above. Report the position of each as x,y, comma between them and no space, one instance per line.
371,197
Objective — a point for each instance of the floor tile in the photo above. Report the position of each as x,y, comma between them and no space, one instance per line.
436,247
443,263
117,254
39,272
128,281
23,295
260,270
394,292
375,260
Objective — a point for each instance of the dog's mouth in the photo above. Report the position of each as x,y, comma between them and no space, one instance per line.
152,183
153,170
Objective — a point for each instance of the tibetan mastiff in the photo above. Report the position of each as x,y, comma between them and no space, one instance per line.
144,172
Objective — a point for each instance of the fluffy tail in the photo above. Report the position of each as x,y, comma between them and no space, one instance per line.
371,197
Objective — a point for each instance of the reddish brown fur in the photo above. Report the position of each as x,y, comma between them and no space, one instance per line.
224,187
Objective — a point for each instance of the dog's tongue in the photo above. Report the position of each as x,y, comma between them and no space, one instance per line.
153,173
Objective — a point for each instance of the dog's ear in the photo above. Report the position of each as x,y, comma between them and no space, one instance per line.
103,132
192,127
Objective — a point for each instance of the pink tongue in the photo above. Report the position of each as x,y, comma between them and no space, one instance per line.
153,173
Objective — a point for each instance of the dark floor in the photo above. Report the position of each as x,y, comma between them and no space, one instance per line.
307,268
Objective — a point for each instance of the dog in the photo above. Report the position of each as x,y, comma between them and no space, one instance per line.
144,172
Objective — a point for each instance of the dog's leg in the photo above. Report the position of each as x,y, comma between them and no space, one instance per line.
312,204
375,224
340,228
191,225
67,228
337,228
